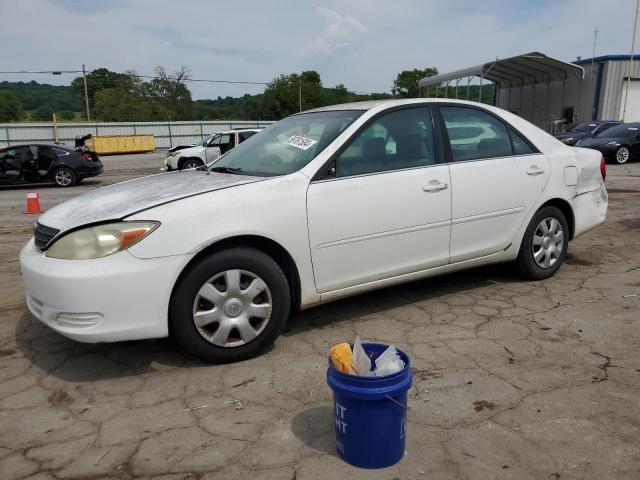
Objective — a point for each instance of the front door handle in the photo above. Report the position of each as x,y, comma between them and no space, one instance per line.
535,170
435,186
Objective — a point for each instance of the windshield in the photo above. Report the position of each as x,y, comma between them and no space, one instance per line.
620,131
207,139
584,127
288,145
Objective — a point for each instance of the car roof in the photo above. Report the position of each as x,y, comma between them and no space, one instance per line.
370,104
255,129
61,147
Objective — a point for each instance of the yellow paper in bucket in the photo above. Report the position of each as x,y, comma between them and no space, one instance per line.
341,357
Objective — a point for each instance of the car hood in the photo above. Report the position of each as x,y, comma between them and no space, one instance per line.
576,135
121,200
195,150
599,141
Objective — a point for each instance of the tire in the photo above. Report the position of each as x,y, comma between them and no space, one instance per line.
191,164
64,177
623,154
542,260
225,331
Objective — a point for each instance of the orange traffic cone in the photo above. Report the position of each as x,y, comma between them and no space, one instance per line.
33,203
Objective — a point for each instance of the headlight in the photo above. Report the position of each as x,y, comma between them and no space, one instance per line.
100,240
567,140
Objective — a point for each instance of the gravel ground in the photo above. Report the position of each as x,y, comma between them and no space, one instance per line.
512,379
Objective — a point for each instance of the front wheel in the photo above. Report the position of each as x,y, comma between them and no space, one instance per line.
622,155
192,164
64,177
230,306
544,245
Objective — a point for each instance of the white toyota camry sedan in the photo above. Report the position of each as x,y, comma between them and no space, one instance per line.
321,205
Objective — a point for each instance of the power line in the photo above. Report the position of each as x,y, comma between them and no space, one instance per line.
155,77
207,80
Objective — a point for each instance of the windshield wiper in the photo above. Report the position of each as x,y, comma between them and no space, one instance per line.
233,170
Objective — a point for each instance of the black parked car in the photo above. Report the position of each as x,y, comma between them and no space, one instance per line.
585,130
24,164
618,144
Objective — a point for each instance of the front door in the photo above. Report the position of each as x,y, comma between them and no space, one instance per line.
385,211
496,178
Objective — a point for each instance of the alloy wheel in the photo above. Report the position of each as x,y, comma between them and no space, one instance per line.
63,177
232,308
622,155
191,165
548,242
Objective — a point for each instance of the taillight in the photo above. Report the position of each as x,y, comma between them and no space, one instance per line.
85,157
603,168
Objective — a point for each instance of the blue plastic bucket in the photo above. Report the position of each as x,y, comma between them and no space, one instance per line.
370,413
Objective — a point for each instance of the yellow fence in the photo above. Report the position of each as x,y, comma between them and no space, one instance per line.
111,144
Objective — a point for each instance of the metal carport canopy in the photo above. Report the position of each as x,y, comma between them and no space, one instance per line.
527,69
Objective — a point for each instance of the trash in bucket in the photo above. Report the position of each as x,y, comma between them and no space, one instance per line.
371,408
356,361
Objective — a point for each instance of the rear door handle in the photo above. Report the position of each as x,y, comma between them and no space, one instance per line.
435,186
535,170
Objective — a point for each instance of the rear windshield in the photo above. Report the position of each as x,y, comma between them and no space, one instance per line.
584,127
620,131
288,145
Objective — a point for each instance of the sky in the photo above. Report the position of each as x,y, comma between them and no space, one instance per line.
362,44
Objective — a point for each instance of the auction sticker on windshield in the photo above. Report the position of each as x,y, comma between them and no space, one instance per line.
303,143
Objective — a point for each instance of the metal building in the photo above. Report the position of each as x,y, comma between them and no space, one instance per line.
551,93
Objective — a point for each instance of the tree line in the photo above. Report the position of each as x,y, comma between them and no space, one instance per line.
121,97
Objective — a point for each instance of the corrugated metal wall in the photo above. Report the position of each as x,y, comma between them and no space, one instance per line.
166,134
614,75
543,104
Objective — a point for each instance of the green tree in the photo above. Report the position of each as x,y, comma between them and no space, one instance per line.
66,114
282,96
171,91
10,107
340,94
129,101
406,83
44,113
98,79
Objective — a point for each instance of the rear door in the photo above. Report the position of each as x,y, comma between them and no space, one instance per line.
496,178
46,157
384,207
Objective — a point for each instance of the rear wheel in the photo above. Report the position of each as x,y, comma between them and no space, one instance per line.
622,155
230,306
544,245
191,164
64,177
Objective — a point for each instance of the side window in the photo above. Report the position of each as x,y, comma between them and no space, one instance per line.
474,134
397,140
215,141
245,135
46,153
223,139
520,146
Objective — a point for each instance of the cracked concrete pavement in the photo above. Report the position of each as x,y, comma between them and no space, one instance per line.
513,379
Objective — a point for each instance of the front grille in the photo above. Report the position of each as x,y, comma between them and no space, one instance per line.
43,235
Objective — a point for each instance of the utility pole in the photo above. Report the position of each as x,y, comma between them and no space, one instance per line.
86,94
300,94
593,54
633,41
